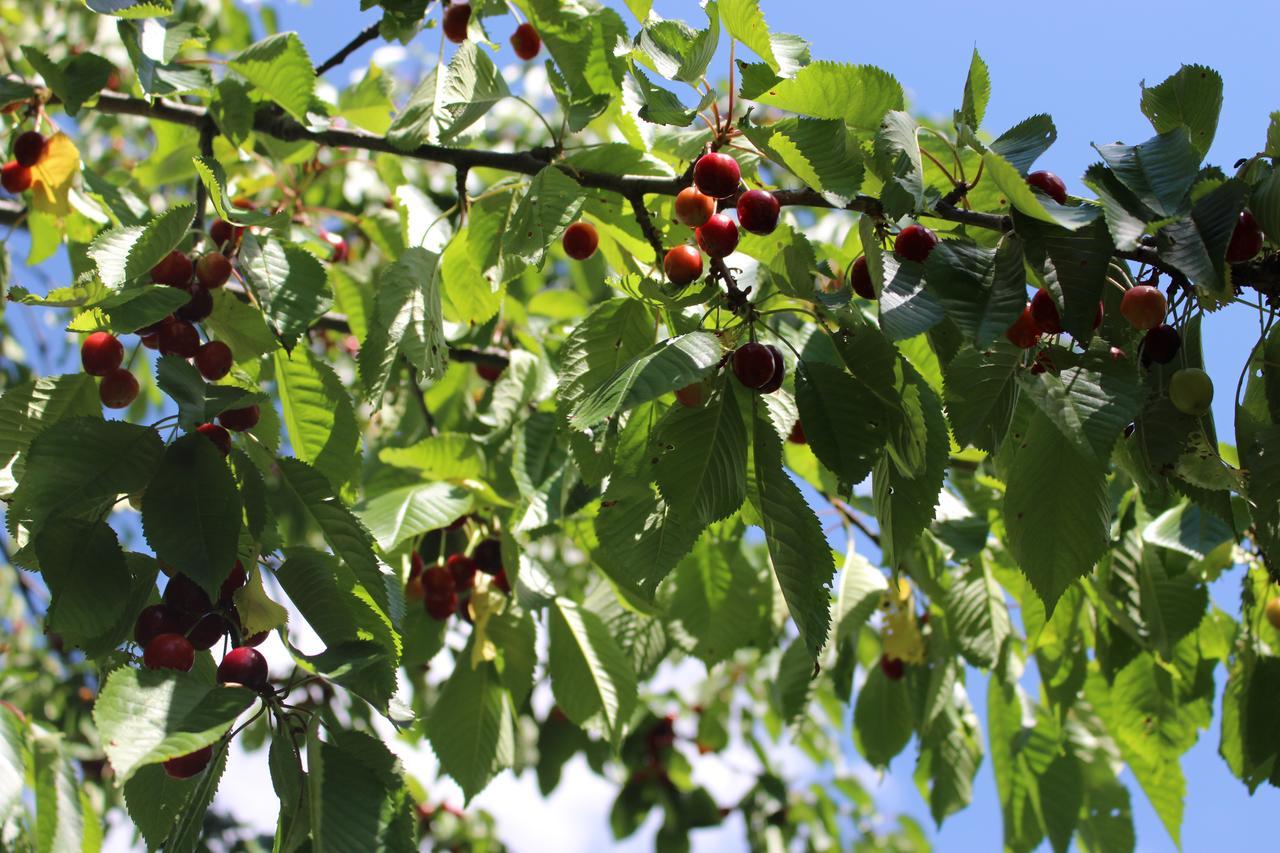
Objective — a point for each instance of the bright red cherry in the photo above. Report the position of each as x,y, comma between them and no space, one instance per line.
101,353
191,764
456,18
1160,345
893,668
118,389
717,175
235,580
175,270
1025,332
580,240
254,639
441,607
199,306
718,236
243,665
213,360
693,396
28,148
240,420
1049,184
341,251
1046,313
223,233
437,580
797,435
860,278
207,631
169,651
186,596
180,339
1246,239
682,265
489,372
219,436
463,569
758,211
914,243
753,364
413,590
154,620
694,208
779,371
526,42
1143,306
213,270
501,582
15,177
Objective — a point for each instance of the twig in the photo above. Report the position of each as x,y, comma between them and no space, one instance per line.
416,390
367,35
848,512
646,225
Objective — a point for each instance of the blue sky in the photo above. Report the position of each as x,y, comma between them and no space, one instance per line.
1082,63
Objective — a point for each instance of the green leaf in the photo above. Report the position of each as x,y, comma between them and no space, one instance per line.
279,68
318,414
978,617
82,463
1073,266
676,50
1190,98
28,409
367,102
1091,403
147,43
1055,542
348,538
86,607
446,456
124,254
882,717
552,202
13,759
240,326
589,673
149,716
199,402
950,752
665,367
232,110
1036,205
820,152
896,158
1159,171
907,307
408,319
615,332
1189,529
131,309
288,282
744,22
722,600
60,822
1021,144
845,423
659,106
131,8
470,727
75,79
980,393
412,510
860,95
641,537
702,470
861,589
977,92
191,512
1197,245
214,179
797,547
450,99
357,796
470,286
982,291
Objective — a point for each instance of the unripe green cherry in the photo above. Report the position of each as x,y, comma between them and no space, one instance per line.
1191,391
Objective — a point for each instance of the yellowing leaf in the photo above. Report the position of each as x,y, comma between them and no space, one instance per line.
52,176
486,602
257,611
901,633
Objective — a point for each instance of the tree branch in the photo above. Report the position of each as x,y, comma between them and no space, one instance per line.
646,225
367,35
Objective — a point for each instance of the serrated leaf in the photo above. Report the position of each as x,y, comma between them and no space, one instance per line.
199,402
191,512
1055,542
408,319
279,68
845,423
289,283
124,254
470,726
131,8
1159,171
318,414
357,795
896,158
84,606
678,51
980,393
978,617
611,335
1036,205
589,673
820,152
214,179
982,291
860,95
1072,264
450,99
907,307
977,92
412,510
665,367
1190,98
28,409
130,309
861,590
1189,529
1197,245
60,822
76,79
882,717
149,716
550,205
1021,144
702,469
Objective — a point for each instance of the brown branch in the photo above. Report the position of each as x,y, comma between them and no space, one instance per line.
367,35
646,225
852,517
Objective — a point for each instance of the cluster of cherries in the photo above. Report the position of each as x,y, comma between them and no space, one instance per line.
445,588
28,148
102,354
186,620
716,178
525,41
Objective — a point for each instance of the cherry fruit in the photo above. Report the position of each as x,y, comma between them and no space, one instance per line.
219,436
191,764
682,264
914,243
1025,332
175,270
186,596
154,620
580,240
893,668
694,208
339,250
1049,184
526,42
101,353
118,389
224,234
441,607
860,279
1246,239
1160,345
207,631
169,651
758,211
718,236
797,435
693,396
213,360
1046,313
28,148
1191,391
15,177
755,364
240,420
488,556
1143,306
199,306
489,372
243,665
179,338
456,18
463,569
213,270
716,175
236,579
